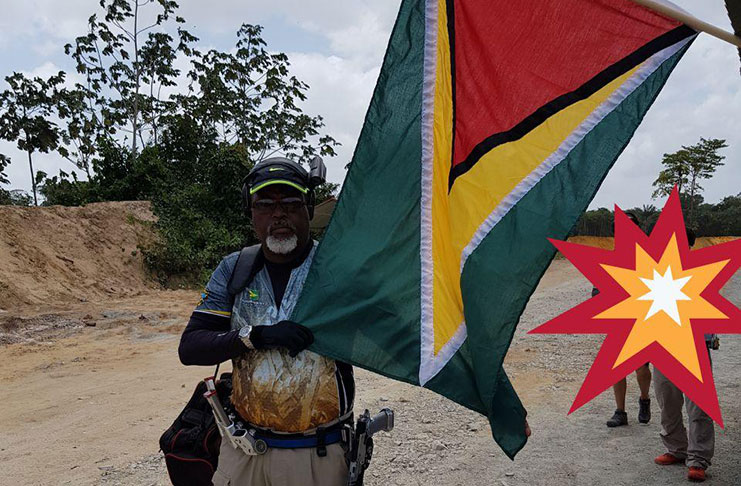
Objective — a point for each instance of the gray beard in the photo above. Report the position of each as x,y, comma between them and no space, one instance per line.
281,246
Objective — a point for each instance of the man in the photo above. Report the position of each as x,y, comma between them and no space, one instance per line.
296,400
696,448
643,377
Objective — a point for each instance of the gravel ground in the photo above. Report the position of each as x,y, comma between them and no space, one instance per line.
437,442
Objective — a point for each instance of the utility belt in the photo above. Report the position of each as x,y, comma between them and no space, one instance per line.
319,438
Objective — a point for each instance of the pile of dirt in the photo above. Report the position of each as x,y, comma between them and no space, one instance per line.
63,254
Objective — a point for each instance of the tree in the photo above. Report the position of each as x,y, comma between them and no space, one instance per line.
4,195
4,162
597,222
82,131
25,109
647,214
64,190
686,168
208,148
722,219
249,98
703,162
241,107
14,197
122,58
675,174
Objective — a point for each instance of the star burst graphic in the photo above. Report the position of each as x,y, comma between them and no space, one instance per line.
657,300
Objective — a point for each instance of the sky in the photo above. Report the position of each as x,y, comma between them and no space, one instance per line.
337,47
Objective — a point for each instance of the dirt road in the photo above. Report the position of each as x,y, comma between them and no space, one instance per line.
88,389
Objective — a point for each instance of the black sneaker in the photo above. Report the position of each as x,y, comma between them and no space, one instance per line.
644,410
620,418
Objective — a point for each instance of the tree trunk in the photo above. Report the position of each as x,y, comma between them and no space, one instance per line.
33,179
135,114
691,211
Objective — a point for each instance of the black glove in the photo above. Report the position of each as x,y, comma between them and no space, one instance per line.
285,334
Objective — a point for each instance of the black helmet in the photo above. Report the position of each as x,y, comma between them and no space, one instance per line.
280,170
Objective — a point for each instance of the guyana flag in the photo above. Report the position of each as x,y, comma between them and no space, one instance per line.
734,13
491,127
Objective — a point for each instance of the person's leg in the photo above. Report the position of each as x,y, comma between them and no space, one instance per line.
670,399
643,376
620,389
701,437
290,467
620,417
235,467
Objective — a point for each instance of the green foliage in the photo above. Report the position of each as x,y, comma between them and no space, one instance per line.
186,153
198,203
25,109
686,168
4,194
126,64
4,162
117,177
325,191
647,214
675,174
64,190
241,109
15,197
82,128
722,219
594,223
247,97
11,198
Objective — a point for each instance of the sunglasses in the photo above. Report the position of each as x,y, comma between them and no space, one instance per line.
268,206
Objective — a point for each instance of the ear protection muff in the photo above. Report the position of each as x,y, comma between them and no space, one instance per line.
310,202
288,164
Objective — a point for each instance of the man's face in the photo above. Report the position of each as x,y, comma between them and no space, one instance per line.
281,220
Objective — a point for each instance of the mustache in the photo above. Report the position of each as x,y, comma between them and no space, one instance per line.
281,225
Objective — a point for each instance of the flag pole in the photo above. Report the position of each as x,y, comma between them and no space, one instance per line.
690,21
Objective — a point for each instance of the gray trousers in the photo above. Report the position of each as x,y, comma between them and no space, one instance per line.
281,467
698,446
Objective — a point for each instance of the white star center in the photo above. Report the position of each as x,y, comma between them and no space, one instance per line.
664,293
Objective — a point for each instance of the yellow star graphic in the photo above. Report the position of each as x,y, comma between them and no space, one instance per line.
652,325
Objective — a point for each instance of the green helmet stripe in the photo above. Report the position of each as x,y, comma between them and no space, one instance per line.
278,181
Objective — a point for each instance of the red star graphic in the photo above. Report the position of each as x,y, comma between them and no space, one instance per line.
657,300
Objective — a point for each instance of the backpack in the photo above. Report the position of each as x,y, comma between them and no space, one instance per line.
191,444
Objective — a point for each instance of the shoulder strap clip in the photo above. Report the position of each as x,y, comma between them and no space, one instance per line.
248,264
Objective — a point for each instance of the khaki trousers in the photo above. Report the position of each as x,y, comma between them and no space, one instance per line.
281,467
698,447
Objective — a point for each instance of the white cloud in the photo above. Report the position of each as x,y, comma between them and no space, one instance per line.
701,98
48,48
340,91
44,71
324,17
45,19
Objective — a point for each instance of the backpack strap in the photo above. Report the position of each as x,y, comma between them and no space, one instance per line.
249,262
